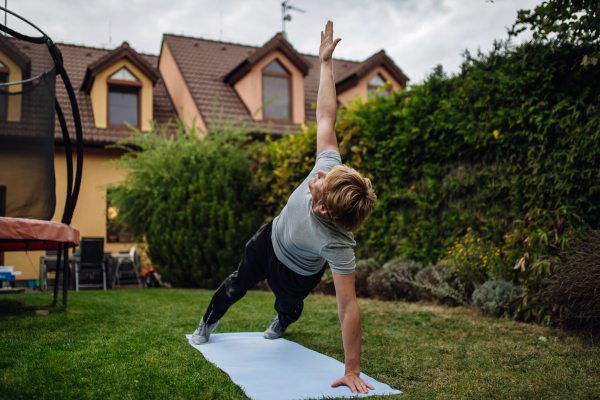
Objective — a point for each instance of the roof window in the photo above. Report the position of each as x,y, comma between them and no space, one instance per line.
276,92
123,75
376,87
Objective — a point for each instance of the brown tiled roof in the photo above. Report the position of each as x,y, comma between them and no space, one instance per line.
124,51
276,43
353,75
16,55
211,67
76,60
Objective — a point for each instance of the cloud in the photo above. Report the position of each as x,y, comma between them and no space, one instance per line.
417,35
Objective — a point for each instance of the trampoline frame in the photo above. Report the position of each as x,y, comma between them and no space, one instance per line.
73,185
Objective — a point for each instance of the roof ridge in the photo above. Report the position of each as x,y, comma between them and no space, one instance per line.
336,59
211,40
101,48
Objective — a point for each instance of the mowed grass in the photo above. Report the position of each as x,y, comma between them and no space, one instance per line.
131,344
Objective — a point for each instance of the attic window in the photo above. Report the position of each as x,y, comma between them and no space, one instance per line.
3,98
277,92
123,75
374,87
123,99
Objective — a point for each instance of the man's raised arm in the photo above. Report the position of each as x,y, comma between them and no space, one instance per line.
326,100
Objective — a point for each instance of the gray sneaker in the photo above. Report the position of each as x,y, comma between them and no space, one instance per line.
202,332
275,331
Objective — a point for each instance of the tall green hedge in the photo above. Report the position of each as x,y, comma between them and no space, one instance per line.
516,129
193,199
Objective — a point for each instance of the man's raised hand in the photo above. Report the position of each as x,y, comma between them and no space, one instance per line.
327,43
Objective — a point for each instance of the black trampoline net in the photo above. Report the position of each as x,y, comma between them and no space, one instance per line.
27,180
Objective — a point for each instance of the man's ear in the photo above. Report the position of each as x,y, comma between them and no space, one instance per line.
323,211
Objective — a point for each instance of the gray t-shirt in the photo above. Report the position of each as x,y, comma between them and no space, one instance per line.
303,241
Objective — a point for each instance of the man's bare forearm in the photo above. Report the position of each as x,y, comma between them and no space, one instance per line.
326,100
352,337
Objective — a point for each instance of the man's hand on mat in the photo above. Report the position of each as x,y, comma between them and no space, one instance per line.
327,43
354,383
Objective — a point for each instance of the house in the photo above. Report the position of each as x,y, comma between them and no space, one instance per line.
273,86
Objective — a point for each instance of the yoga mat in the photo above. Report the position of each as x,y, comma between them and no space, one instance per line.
279,369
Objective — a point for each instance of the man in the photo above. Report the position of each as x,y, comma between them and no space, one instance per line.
315,226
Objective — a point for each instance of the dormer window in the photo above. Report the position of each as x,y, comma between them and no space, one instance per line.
276,92
3,98
374,87
123,99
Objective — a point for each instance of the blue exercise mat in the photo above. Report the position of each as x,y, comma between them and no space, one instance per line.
279,369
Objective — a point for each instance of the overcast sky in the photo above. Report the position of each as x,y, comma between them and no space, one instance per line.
416,34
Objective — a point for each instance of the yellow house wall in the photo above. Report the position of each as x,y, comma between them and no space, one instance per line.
99,95
178,89
14,75
249,87
90,212
360,90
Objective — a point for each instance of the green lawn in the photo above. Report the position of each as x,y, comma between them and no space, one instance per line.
131,344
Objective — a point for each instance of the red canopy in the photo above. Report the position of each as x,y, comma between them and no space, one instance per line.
20,234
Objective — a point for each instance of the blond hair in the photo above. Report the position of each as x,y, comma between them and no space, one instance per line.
348,197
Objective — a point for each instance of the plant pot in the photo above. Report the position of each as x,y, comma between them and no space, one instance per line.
113,238
123,237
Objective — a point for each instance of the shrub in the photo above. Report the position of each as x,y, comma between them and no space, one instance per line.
534,248
436,283
493,297
475,260
191,198
574,290
383,284
364,269
516,129
281,166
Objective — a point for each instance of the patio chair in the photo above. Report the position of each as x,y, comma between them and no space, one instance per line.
27,180
50,266
91,262
128,270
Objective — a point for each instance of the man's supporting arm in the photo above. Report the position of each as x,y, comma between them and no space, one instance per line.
326,99
349,313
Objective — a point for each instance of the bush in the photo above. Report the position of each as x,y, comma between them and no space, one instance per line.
516,129
192,199
534,248
574,290
384,284
435,283
364,269
474,260
493,297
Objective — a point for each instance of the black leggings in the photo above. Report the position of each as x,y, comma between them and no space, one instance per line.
259,263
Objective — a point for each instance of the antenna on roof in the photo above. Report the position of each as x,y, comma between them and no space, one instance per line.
109,32
287,17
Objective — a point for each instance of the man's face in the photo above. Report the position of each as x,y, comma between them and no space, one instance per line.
315,185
